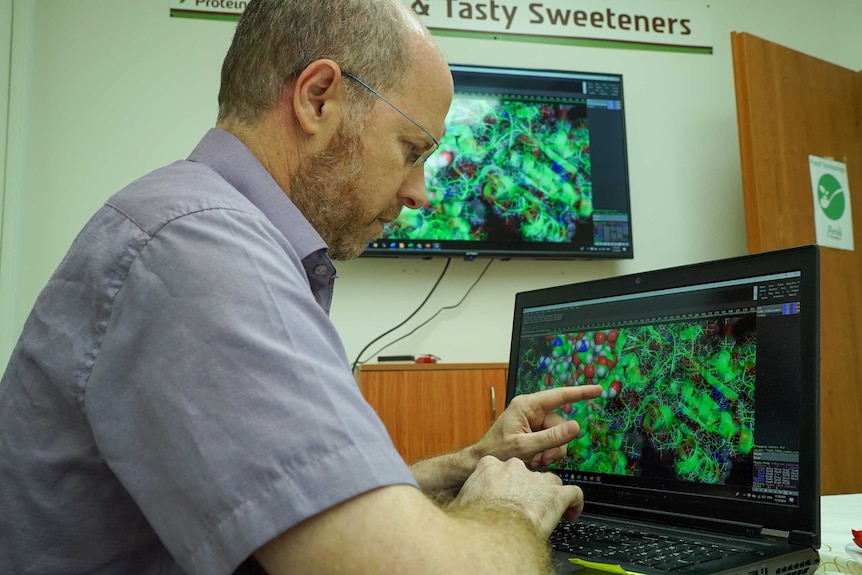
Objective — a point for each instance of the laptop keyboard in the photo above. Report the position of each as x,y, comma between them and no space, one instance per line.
661,552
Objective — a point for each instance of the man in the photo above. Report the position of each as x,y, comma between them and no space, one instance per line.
179,401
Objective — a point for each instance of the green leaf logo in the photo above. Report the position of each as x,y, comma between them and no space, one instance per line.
830,197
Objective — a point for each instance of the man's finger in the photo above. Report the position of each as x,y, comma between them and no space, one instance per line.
553,418
553,478
540,441
551,399
577,504
551,455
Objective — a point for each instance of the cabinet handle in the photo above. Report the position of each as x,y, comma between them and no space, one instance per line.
493,405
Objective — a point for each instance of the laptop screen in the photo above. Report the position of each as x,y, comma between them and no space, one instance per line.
709,375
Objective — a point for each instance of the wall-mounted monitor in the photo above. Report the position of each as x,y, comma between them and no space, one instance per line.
532,164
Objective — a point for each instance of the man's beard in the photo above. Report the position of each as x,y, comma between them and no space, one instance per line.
326,191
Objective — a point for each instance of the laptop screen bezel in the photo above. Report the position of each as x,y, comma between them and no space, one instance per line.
665,505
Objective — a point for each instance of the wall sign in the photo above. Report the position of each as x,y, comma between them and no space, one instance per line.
207,9
833,219
681,26
665,25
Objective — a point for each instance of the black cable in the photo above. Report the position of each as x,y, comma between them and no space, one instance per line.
409,317
435,314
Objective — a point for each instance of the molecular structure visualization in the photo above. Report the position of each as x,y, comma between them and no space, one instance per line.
677,398
506,170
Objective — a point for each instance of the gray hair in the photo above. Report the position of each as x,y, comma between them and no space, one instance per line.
276,40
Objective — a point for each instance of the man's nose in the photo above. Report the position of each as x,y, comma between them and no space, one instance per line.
412,192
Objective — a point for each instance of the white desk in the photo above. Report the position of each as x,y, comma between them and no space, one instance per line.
838,515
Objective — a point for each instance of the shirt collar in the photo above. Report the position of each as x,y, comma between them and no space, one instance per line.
233,161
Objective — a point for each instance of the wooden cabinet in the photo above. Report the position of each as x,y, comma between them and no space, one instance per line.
434,408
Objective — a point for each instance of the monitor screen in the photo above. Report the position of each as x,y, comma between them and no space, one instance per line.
532,164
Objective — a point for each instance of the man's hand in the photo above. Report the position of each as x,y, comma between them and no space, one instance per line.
531,430
540,497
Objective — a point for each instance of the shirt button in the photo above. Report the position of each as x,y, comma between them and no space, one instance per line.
321,269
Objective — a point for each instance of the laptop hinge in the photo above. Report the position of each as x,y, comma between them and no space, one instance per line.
792,537
804,538
775,534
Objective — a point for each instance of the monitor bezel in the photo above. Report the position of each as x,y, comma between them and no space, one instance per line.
497,78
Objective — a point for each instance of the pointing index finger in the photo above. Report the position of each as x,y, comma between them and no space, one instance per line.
551,399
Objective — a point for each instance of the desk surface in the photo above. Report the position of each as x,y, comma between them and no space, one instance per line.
838,515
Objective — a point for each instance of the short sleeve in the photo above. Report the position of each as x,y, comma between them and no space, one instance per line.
221,396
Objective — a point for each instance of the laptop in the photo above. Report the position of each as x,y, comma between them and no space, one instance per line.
705,439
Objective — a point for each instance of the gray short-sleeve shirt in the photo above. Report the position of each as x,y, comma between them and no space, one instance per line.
179,395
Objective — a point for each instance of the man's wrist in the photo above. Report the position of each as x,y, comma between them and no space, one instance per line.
441,477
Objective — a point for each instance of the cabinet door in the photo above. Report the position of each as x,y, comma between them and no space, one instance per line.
428,412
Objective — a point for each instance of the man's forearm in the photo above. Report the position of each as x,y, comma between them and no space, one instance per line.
396,530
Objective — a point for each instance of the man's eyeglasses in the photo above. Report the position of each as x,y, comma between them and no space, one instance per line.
434,143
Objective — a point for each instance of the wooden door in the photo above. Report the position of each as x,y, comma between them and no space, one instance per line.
790,106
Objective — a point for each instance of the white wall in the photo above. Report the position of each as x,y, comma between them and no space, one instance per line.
118,88
5,59
15,58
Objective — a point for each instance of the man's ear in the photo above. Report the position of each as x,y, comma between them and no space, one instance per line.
318,100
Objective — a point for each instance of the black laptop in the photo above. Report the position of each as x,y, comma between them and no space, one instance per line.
701,456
